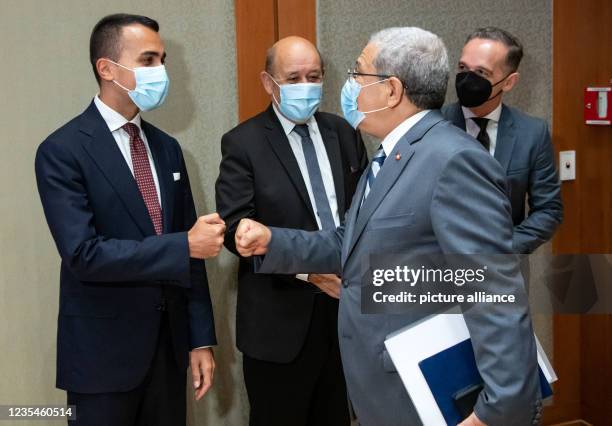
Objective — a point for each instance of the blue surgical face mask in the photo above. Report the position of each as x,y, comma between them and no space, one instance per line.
348,101
151,86
299,102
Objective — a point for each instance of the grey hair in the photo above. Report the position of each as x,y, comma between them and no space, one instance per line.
418,59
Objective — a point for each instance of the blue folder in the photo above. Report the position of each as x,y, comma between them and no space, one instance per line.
454,369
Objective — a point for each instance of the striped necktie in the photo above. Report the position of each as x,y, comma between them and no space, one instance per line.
377,162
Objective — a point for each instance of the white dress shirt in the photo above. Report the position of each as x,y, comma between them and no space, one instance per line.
115,122
473,129
396,134
295,141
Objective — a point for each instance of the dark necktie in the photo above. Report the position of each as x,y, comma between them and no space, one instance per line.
144,176
377,162
483,136
316,181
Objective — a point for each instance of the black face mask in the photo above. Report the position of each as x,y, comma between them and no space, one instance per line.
473,89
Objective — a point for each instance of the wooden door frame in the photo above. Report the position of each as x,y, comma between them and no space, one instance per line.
581,343
259,24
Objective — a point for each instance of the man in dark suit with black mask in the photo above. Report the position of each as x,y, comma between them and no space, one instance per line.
488,69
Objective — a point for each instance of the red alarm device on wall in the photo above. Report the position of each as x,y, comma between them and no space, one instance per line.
598,106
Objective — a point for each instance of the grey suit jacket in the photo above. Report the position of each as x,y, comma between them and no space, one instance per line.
445,194
526,154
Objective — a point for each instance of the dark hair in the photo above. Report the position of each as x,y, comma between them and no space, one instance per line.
105,40
515,48
271,55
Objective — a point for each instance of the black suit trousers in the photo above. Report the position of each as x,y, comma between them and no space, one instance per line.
310,390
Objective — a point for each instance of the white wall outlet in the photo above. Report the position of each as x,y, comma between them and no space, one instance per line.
567,165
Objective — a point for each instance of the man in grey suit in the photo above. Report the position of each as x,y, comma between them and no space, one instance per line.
430,188
487,70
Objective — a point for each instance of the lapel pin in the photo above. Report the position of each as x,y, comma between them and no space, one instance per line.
397,156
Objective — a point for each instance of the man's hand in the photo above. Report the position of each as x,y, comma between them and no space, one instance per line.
252,238
328,283
472,420
206,237
202,362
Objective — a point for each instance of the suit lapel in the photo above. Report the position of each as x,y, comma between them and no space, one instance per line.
103,150
332,146
456,115
390,172
280,145
351,218
506,138
385,179
164,177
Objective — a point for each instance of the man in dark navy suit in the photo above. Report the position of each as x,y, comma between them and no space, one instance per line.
135,308
488,69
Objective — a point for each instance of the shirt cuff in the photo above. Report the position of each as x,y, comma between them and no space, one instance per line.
303,277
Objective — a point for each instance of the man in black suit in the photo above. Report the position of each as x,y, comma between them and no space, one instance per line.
135,308
488,68
293,167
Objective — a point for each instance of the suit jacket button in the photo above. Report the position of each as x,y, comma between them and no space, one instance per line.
344,283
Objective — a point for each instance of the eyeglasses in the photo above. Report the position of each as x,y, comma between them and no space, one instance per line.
352,73
295,79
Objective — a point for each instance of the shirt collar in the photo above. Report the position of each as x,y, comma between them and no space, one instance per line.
493,115
396,134
288,125
112,118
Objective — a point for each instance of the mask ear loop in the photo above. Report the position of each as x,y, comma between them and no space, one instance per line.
279,86
379,109
122,66
375,110
500,92
123,87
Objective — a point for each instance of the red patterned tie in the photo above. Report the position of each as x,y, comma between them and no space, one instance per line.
143,175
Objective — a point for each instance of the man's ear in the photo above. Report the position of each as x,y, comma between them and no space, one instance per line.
511,81
396,92
104,69
267,82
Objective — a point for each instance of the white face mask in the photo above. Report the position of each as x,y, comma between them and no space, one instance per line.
151,86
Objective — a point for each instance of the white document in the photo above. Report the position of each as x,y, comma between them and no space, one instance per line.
416,342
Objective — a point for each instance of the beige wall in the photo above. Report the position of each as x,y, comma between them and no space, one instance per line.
47,80
344,27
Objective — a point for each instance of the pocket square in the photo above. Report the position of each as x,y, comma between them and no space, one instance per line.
176,176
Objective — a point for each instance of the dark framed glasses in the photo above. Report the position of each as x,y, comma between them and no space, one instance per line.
352,73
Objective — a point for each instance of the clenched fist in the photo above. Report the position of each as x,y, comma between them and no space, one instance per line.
252,238
206,236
